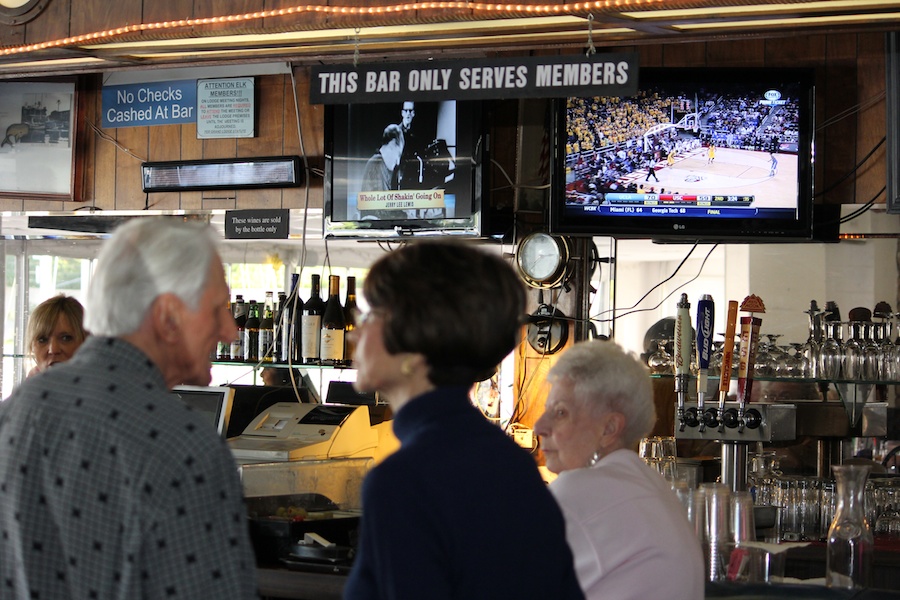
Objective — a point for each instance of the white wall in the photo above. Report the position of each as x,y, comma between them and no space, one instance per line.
785,276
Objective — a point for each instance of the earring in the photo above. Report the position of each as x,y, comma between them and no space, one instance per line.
595,458
406,367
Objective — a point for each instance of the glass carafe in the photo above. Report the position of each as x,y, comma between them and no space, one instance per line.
851,545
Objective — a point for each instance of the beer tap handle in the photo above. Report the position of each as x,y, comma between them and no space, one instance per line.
749,338
727,360
705,319
682,355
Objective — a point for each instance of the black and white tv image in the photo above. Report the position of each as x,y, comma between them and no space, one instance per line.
403,168
695,154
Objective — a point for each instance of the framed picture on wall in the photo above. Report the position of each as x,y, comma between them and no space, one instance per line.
37,139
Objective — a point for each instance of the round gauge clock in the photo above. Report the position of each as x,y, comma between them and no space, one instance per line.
543,259
19,12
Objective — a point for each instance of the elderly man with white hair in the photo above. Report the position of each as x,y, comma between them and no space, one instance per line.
110,487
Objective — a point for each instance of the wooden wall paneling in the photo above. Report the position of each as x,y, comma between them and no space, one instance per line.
99,15
836,139
291,197
51,24
351,20
872,120
102,161
738,53
795,51
684,55
220,199
191,149
81,139
304,20
129,193
269,140
217,8
158,12
312,130
88,115
648,56
12,35
164,143
12,204
219,148
504,154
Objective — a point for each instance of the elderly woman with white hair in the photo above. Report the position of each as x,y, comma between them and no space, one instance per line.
628,532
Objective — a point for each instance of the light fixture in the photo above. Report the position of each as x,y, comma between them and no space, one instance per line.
217,174
316,32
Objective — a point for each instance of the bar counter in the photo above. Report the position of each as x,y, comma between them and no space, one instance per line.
802,563
276,582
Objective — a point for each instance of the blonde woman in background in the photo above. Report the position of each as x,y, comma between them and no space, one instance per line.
55,331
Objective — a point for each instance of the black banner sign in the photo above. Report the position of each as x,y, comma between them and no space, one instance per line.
522,77
257,224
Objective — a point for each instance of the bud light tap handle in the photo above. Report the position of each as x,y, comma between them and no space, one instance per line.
705,318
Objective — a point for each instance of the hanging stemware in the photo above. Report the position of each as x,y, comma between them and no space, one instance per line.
852,362
810,348
660,362
831,352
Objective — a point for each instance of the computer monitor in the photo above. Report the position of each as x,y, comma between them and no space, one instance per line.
214,403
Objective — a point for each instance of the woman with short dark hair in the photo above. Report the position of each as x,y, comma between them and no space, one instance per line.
459,511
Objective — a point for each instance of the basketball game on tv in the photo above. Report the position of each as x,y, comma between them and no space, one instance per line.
689,147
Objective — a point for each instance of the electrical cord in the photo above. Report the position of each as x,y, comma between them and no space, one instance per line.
670,294
642,298
857,108
865,207
852,171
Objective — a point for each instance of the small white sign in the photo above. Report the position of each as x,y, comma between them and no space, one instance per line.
225,108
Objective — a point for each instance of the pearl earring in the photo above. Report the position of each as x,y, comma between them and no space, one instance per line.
595,458
406,367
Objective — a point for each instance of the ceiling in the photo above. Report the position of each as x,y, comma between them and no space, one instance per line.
376,30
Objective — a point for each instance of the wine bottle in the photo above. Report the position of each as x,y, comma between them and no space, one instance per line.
311,324
223,348
332,332
290,324
251,333
239,310
349,320
267,329
279,338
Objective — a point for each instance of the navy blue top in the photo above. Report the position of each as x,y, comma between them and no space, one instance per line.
459,511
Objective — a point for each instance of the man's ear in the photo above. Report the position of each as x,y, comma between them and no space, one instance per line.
168,317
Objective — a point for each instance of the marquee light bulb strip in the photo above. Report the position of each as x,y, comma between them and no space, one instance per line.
483,10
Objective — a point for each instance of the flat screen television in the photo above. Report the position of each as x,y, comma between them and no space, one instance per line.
402,169
698,154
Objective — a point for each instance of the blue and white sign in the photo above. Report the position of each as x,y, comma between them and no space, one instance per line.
153,103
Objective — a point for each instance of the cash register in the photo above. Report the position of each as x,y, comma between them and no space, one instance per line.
289,431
